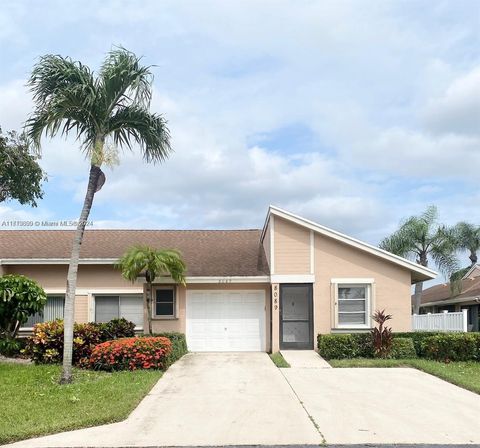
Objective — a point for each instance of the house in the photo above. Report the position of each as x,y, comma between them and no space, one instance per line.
264,289
439,298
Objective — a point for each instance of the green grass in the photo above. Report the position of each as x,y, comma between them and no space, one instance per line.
463,374
279,360
32,403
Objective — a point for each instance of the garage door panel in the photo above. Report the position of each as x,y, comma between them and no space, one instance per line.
226,320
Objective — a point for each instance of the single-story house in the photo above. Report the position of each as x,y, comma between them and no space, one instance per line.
439,298
246,290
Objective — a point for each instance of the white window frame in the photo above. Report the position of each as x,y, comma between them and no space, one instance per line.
368,284
172,288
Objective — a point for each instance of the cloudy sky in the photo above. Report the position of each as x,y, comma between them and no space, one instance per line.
351,113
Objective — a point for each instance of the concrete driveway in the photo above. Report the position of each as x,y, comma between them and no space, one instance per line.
243,399
206,399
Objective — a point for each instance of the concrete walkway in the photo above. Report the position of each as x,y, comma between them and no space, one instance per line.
305,359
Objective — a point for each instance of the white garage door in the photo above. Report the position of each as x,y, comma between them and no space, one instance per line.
223,321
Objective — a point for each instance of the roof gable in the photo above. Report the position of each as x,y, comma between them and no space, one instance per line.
419,273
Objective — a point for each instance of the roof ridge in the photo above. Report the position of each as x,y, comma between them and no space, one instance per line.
131,230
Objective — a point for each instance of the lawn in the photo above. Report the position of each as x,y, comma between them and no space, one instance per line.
279,360
32,403
463,374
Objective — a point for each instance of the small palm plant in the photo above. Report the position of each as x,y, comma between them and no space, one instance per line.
382,335
104,112
144,260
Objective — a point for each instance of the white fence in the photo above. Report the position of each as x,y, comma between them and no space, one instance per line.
440,321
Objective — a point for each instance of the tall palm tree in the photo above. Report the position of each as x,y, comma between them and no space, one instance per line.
104,111
152,263
422,238
468,239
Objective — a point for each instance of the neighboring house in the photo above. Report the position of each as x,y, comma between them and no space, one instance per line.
439,298
262,290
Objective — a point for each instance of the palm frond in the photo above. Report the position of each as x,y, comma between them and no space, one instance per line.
124,80
148,130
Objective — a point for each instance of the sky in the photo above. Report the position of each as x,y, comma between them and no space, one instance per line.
355,114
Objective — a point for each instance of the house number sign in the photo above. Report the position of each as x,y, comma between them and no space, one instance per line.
275,297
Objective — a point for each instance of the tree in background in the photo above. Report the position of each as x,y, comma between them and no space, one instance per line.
468,239
104,111
20,298
144,260
20,175
423,238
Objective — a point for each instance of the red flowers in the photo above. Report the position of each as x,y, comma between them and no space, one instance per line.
131,354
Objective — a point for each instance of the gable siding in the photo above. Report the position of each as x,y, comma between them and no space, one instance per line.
267,247
291,247
392,289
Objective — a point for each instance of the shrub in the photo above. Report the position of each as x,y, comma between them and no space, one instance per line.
402,348
11,347
45,346
382,336
418,338
20,297
131,354
342,346
179,345
117,328
452,347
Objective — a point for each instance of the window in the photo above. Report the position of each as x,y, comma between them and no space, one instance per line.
164,302
128,306
53,310
353,305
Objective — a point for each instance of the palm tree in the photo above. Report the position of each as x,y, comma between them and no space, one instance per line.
152,263
104,111
422,238
468,239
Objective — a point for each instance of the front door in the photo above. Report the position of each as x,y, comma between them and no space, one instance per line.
296,317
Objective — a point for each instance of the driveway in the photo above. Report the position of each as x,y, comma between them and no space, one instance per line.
206,399
243,399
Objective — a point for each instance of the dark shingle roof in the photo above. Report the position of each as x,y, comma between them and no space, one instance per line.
438,293
206,252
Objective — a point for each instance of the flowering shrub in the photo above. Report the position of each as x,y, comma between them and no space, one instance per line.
131,354
46,344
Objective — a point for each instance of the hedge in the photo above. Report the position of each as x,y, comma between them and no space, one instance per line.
432,345
402,348
342,346
179,345
453,347
130,354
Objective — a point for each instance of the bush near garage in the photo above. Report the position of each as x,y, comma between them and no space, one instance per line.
402,348
179,345
131,354
453,347
45,346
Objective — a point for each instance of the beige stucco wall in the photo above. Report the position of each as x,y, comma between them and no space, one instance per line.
267,245
81,309
89,276
291,247
391,289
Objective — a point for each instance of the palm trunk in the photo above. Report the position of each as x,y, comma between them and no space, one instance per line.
417,297
149,307
473,258
69,317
